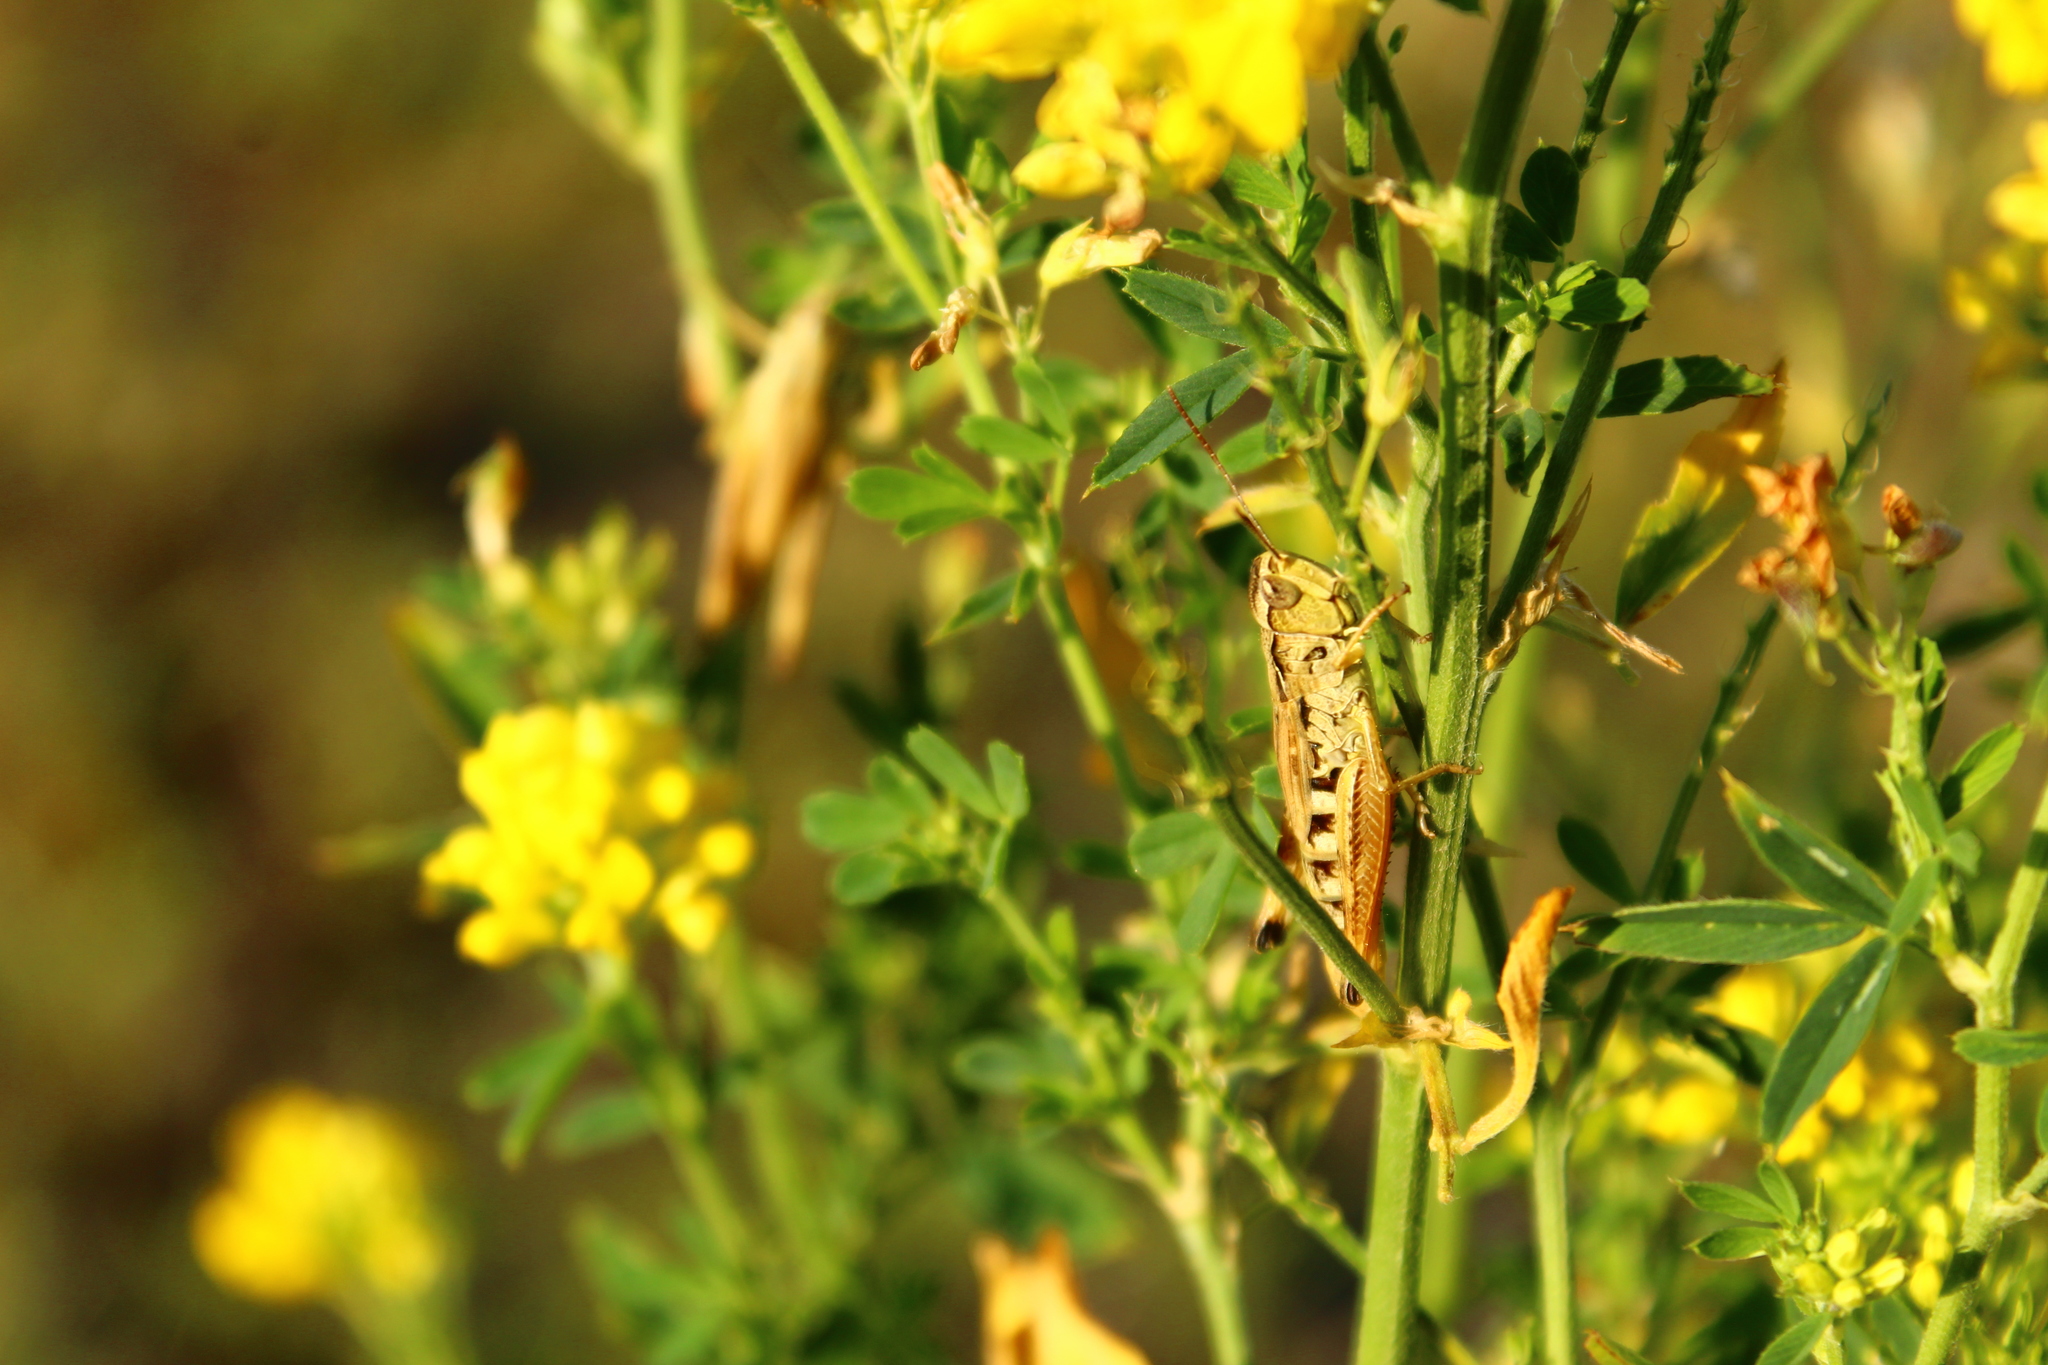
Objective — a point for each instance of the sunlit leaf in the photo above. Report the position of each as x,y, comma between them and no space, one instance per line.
937,756
1731,1200
1796,1342
1736,1244
1722,931
1675,383
1826,1037
1198,308
1981,768
1206,394
1703,510
2001,1046
1817,868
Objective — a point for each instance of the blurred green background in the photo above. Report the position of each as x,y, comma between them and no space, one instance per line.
270,274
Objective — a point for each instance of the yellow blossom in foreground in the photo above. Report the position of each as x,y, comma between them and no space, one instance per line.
1886,1083
2014,34
1692,1109
2004,297
2019,204
583,811
1154,95
321,1197
1031,1309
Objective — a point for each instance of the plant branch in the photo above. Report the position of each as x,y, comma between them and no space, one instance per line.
1084,679
1783,86
1681,173
796,64
672,169
1628,16
1379,76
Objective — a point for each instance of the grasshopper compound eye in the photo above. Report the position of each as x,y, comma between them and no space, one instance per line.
1279,592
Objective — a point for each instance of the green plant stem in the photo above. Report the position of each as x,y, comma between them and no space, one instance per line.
1781,90
1209,769
1550,1206
1249,1139
1084,679
1371,61
1182,1197
796,64
1554,1106
1681,173
673,172
1466,273
778,1161
1981,1225
1593,120
1400,1175
679,1116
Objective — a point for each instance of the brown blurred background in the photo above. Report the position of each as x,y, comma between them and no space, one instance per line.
270,274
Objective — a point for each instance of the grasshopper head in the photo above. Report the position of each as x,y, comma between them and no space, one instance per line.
1292,596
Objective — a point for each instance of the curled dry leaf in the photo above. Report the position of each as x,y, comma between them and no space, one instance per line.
1083,250
1915,540
773,444
1553,591
1031,1309
795,588
960,306
493,490
1381,192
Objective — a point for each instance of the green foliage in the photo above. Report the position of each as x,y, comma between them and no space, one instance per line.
1724,931
1649,387
1827,1036
1206,395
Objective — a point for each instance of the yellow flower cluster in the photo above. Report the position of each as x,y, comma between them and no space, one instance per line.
1850,1268
322,1197
1156,95
2005,296
2014,34
1887,1082
587,820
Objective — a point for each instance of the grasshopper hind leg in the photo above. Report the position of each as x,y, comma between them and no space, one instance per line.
1269,926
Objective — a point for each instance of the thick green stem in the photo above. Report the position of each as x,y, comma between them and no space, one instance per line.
1465,246
1781,90
1681,173
1981,1225
817,101
1400,1179
673,171
1551,1120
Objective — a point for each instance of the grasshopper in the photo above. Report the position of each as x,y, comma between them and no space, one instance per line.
1339,791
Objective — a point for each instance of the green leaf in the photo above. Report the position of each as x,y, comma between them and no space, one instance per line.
868,876
2001,1046
1044,397
900,787
603,1121
1550,192
1736,1244
1007,440
1207,394
532,1078
1913,900
1796,1342
1257,183
994,1065
1593,858
1173,843
982,606
1205,907
1826,1037
1012,792
911,499
847,822
1520,236
1779,1188
1675,383
1979,631
937,756
1981,768
1250,721
1209,248
1896,1329
2041,1124
1522,441
1608,298
1726,931
1094,858
1266,781
1816,868
1198,308
1731,1200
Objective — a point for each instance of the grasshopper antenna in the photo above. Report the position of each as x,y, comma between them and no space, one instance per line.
1244,508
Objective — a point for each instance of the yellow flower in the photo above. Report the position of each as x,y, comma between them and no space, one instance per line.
573,802
1807,1139
1690,1110
1082,251
2019,205
1155,94
1760,998
1031,1309
321,1198
2014,34
2004,297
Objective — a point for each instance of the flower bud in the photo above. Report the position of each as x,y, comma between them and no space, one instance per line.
1885,1276
1064,170
1845,1252
1812,1279
1848,1294
1082,251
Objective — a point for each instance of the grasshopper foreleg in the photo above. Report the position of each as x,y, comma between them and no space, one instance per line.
1413,786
